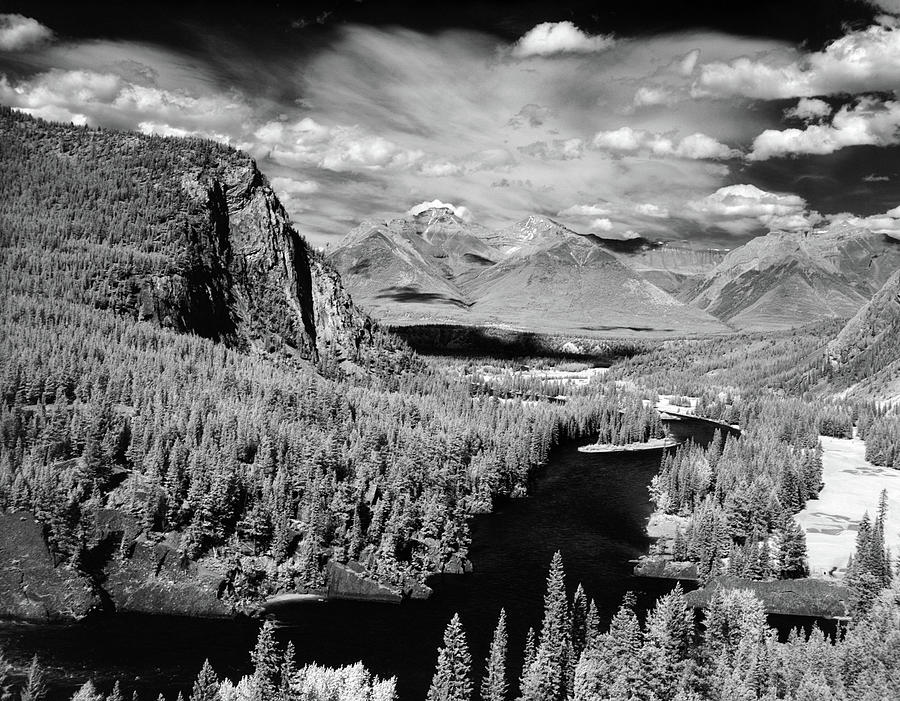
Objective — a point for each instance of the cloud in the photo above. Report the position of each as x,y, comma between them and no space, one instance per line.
652,95
558,149
531,115
20,33
551,38
860,61
461,212
584,210
887,223
694,147
337,147
740,209
601,224
868,123
649,209
875,178
809,110
892,6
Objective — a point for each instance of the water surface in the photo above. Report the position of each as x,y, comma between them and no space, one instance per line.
593,508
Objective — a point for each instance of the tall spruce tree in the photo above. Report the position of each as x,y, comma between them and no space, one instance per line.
451,681
494,685
545,677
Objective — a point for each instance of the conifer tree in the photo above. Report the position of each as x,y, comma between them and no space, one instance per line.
206,685
35,688
266,664
545,677
116,693
494,684
451,681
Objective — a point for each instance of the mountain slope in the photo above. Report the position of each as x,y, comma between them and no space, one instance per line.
419,262
557,279
533,275
867,350
783,280
672,266
191,236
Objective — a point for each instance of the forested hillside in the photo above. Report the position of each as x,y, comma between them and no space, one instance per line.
156,404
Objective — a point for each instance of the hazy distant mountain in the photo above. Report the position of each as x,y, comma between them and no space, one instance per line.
535,274
670,265
783,280
867,350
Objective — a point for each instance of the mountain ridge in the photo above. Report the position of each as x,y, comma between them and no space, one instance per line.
781,280
535,274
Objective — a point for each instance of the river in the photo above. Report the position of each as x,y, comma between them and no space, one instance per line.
591,507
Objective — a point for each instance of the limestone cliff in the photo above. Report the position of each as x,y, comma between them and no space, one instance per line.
256,279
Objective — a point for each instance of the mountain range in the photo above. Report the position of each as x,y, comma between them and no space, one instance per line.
537,274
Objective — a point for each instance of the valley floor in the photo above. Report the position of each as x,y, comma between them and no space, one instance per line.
852,487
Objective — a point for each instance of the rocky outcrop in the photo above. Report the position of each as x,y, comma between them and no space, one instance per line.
33,585
665,568
256,276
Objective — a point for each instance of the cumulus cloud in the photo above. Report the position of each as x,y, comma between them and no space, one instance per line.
887,223
601,224
809,109
740,209
860,61
652,95
694,147
868,123
551,38
336,147
19,33
461,212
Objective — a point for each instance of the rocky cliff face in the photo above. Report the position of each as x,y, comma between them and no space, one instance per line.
251,278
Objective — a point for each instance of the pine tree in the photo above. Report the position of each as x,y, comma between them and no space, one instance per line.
451,680
545,677
266,664
35,688
494,684
116,694
6,693
579,623
206,685
791,541
530,651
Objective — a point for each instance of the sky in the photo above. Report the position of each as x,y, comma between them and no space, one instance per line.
619,118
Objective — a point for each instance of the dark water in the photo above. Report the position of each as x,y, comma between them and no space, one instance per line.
591,507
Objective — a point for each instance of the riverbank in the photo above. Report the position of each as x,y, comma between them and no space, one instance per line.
852,486
652,444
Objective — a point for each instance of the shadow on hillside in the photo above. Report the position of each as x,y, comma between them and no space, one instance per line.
482,342
409,294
